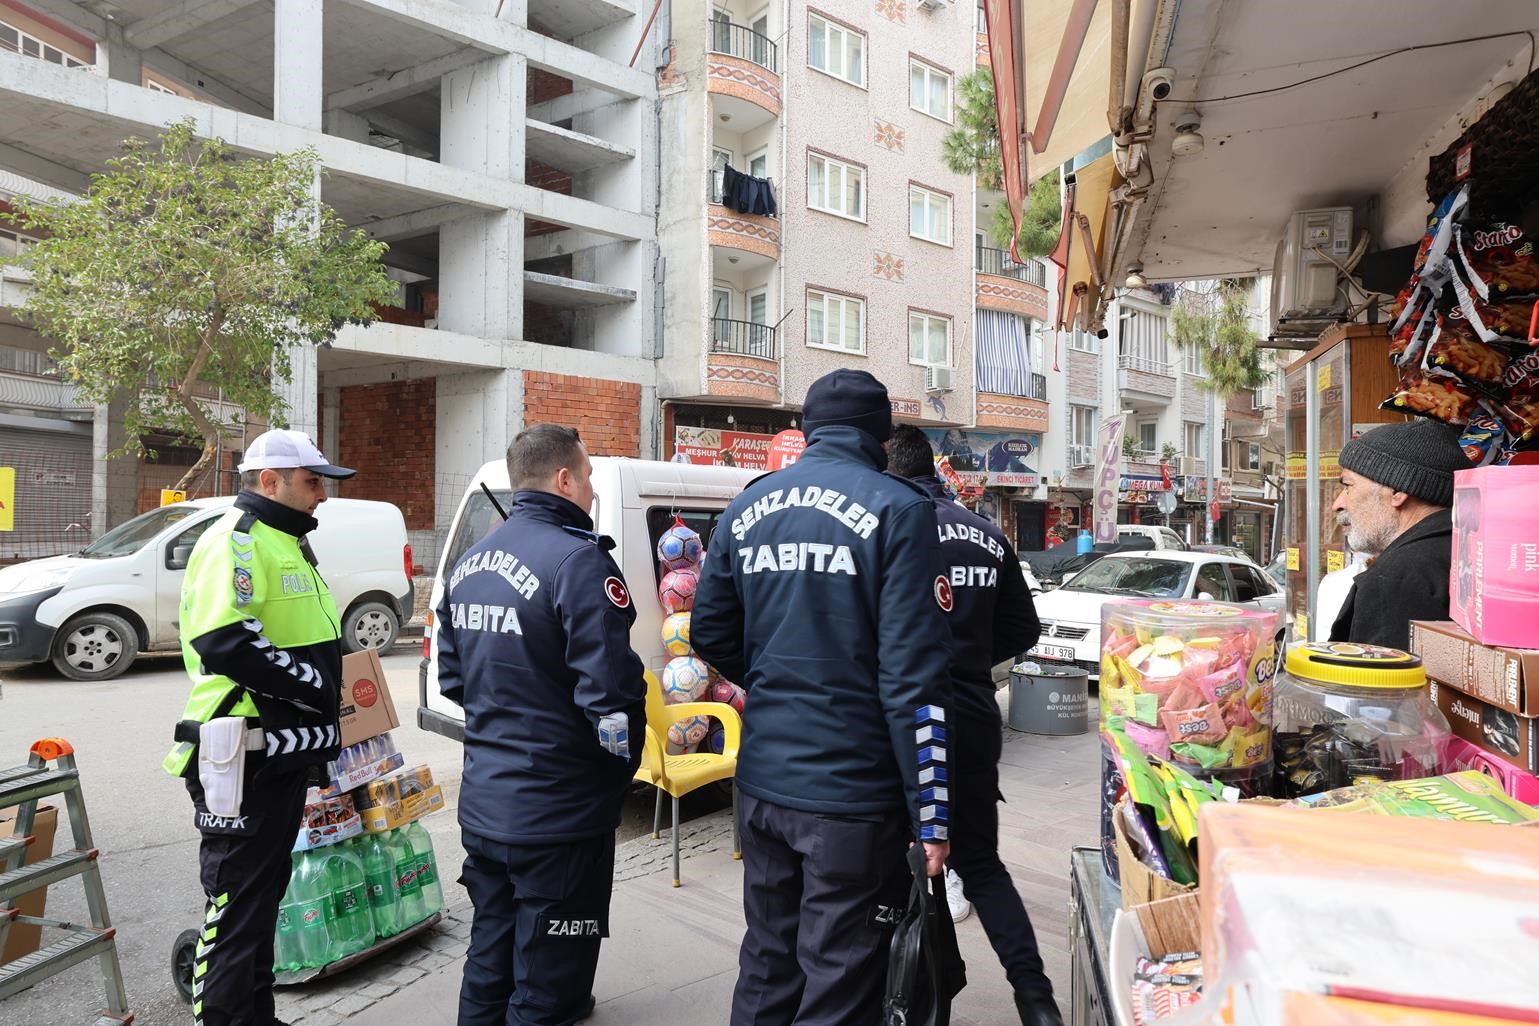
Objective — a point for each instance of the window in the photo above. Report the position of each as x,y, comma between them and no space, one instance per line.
839,51
720,158
17,41
12,242
721,302
1253,456
660,518
983,21
835,187
1250,583
758,164
1141,341
929,340
929,215
1148,437
1082,341
758,306
155,87
1191,361
836,322
1196,441
1214,582
179,549
721,32
761,43
1082,425
929,90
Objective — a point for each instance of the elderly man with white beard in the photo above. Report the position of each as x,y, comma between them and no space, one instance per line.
1395,499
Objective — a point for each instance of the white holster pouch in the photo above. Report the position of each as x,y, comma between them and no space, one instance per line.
222,747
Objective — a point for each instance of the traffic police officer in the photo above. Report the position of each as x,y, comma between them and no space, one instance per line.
533,640
260,639
993,620
823,594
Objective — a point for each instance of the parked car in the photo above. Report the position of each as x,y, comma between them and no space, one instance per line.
635,501
93,612
1055,566
1032,584
1223,550
1163,537
1277,569
1071,615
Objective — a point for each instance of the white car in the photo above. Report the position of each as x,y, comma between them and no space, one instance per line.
1032,584
1071,615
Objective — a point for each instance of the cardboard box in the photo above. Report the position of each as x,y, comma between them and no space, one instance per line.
330,833
22,938
1324,1010
1493,586
381,818
1171,925
1140,884
1432,910
1507,677
367,709
1490,728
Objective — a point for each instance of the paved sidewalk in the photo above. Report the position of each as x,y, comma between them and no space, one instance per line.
672,953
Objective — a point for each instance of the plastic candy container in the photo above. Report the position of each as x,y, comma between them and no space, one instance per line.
1190,683
1345,712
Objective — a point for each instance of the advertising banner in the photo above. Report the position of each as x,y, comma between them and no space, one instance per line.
989,459
1108,466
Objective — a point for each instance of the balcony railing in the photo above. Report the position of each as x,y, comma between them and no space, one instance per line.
744,338
1034,388
742,41
997,261
714,186
1038,387
1147,366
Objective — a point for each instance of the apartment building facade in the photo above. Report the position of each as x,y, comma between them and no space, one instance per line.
507,152
871,257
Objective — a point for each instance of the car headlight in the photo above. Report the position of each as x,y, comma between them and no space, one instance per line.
36,580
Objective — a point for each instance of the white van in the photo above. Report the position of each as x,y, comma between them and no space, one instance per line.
93,612
1163,537
634,502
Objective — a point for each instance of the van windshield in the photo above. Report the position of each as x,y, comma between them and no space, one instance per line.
479,519
133,535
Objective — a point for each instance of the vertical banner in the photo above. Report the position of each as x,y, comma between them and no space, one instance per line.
1108,474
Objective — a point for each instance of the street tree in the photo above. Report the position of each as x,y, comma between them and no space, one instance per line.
972,148
187,265
1216,322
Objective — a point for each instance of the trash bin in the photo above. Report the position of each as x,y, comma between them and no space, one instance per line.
1047,699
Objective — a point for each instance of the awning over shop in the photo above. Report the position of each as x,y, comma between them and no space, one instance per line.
1081,250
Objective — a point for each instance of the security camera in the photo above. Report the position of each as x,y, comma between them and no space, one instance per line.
1103,333
1158,81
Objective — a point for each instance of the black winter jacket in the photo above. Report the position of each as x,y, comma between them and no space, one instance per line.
1409,581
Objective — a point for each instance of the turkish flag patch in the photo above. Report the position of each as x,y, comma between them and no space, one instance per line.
615,589
943,593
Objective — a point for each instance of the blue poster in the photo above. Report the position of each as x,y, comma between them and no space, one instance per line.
989,458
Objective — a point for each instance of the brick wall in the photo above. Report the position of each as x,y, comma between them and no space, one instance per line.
1083,378
543,85
607,413
387,433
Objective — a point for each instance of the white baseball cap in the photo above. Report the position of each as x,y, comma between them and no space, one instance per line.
288,450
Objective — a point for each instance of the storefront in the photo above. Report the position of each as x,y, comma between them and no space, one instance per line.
1003,468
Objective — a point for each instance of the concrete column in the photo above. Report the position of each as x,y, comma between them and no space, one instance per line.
478,415
298,98
331,432
124,62
114,481
481,258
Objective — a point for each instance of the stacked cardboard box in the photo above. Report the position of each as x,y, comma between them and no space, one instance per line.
1489,694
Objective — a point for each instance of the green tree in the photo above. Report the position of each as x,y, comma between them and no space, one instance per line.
1216,323
185,265
972,148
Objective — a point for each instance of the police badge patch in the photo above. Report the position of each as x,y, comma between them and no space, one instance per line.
243,586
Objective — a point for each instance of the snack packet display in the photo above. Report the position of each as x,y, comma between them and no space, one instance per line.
1188,681
1468,796
1163,986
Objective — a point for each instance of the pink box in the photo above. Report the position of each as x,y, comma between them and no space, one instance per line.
1493,583
1459,754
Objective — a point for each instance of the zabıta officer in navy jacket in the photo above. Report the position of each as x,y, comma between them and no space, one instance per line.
824,595
533,640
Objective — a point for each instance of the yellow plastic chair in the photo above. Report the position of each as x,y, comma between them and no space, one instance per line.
680,774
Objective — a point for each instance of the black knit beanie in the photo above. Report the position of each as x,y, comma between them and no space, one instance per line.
1418,457
849,397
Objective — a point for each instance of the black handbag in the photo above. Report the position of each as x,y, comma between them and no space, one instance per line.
924,965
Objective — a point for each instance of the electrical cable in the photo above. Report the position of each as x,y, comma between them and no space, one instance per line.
1532,45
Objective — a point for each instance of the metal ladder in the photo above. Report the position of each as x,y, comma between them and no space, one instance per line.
22,787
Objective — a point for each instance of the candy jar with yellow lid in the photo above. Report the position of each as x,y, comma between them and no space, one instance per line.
1345,712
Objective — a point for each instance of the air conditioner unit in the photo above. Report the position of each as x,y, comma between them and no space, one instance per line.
1081,456
937,379
1305,284
934,5
1258,400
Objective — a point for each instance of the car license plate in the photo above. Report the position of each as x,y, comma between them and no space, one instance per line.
1060,652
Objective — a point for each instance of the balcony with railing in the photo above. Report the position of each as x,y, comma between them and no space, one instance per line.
1144,380
757,235
1002,283
741,363
1021,408
743,71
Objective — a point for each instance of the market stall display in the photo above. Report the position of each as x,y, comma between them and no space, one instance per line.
1347,711
685,677
1494,576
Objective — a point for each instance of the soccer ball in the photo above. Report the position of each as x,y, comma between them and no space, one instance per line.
716,740
683,679
679,548
676,634
686,734
677,592
727,693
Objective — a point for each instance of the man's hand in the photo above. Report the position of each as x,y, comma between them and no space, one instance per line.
935,854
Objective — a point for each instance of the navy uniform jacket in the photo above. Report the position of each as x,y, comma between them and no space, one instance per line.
534,643
823,594
994,618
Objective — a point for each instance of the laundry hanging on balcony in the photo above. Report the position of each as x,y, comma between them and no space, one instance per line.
746,194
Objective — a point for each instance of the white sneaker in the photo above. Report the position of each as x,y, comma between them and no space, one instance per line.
961,908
